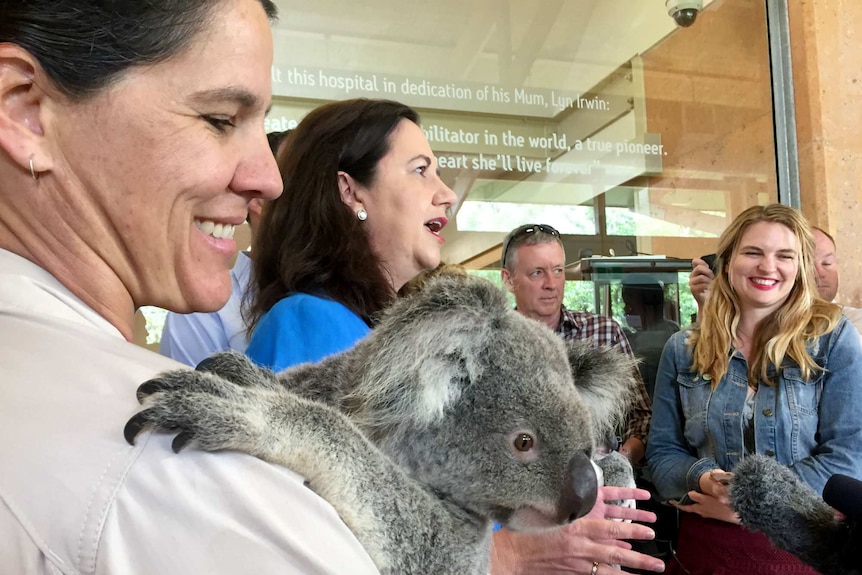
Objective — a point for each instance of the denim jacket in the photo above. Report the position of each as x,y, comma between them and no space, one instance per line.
812,426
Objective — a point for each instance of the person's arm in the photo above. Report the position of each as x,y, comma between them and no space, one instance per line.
839,428
699,280
640,412
675,470
575,547
190,338
303,328
634,449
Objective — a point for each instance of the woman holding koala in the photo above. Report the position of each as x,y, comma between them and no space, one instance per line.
770,369
131,144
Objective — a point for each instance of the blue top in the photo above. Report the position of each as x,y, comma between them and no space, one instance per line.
303,328
812,426
192,337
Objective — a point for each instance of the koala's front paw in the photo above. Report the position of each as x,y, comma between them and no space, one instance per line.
617,471
200,407
239,369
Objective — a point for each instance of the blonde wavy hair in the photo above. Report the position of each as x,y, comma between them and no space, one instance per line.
787,332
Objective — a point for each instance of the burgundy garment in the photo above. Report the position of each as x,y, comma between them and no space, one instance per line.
709,547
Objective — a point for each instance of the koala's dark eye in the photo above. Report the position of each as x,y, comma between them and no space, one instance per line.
524,442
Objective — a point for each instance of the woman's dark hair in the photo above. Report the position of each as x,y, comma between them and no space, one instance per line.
308,240
85,45
276,140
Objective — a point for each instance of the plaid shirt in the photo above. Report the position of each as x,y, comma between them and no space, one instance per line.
578,325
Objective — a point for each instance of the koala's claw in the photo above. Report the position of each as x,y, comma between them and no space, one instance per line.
181,440
142,421
208,364
150,418
199,408
150,387
138,423
239,370
133,427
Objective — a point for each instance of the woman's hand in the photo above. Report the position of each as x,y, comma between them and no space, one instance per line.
598,537
602,510
699,280
715,483
709,507
712,502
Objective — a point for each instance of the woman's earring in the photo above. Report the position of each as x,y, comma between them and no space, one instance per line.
33,172
362,215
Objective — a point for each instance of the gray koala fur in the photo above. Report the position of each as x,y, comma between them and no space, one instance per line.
411,435
771,499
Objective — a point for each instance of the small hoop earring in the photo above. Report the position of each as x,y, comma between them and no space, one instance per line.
32,170
362,215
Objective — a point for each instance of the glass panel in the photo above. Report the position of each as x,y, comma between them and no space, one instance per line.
600,117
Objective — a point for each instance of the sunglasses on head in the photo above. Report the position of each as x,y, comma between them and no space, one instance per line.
524,231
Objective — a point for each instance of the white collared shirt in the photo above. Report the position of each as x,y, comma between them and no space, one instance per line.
76,498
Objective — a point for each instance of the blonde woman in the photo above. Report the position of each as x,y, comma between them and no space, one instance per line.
771,369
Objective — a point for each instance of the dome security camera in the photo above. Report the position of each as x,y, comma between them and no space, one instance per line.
683,12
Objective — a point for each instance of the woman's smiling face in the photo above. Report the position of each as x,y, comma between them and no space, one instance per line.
764,266
162,164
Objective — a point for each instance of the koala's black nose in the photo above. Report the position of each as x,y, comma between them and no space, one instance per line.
580,489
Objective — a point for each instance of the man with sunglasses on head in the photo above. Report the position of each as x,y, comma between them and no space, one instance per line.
533,269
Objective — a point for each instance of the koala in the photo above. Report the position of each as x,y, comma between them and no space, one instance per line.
455,412
771,499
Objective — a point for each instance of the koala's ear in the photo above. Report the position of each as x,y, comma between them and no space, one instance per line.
413,382
605,380
454,315
440,382
425,348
